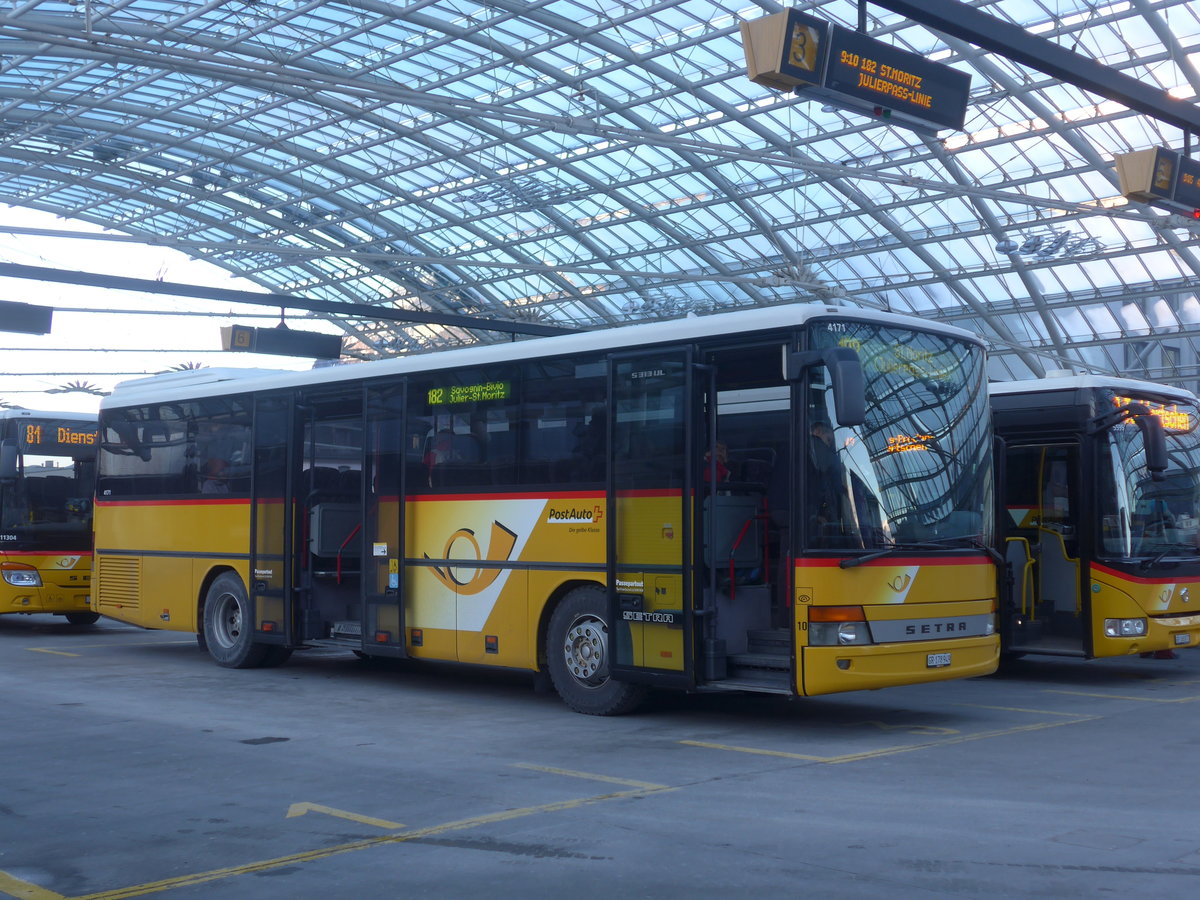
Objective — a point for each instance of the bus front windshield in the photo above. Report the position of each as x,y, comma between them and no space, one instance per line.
49,504
1141,516
918,472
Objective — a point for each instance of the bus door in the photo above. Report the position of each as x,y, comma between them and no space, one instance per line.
650,516
271,525
329,494
1047,609
383,521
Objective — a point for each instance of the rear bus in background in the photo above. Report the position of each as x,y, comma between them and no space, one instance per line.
47,481
790,501
1101,487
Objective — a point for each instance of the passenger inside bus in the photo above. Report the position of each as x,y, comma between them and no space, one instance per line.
216,481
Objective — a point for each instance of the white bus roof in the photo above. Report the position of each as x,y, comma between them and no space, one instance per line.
1074,382
218,381
57,415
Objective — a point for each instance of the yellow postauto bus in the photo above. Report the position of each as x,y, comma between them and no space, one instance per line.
47,478
791,501
1101,487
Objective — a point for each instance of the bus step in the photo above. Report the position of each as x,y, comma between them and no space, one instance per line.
769,640
348,630
742,664
778,683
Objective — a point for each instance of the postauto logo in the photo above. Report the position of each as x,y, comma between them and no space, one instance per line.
573,515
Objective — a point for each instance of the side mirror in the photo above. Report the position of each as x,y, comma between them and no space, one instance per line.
8,461
1153,437
846,374
1156,443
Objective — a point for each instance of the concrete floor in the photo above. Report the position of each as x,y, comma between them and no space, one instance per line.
134,766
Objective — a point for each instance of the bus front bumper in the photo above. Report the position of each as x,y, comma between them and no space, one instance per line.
828,670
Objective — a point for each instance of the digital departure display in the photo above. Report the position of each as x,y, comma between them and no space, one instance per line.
862,67
470,393
1174,420
57,438
1187,185
904,443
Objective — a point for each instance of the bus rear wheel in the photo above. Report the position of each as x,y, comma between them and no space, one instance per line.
229,625
577,655
83,618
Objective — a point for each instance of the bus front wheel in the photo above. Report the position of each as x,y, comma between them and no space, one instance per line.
577,655
229,625
83,618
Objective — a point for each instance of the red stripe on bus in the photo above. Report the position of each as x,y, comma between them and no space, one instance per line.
216,501
4,552
1138,579
523,495
897,561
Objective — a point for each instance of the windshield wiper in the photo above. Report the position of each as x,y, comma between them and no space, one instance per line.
1153,561
886,551
932,544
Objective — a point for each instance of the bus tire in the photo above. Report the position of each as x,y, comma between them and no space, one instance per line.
228,622
83,618
577,655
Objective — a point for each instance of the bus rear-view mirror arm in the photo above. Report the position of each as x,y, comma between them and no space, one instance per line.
8,461
1153,437
845,371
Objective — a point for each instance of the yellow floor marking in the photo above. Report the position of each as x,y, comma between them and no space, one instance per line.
606,778
15,887
299,809
757,751
1021,709
191,643
1124,697
55,652
166,884
908,726
890,751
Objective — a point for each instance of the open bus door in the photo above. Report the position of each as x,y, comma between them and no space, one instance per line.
650,528
271,522
383,521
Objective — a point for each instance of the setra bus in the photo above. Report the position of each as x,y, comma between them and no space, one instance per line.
794,501
47,480
1101,483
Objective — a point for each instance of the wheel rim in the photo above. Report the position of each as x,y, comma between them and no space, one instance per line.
227,620
586,651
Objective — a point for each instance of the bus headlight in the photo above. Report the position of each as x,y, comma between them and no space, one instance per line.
20,575
834,626
1124,627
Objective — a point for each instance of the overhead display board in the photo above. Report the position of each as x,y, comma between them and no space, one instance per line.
281,341
841,67
1161,176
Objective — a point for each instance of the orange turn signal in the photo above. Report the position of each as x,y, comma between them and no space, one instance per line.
836,614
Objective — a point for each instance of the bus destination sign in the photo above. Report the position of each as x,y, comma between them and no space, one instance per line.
885,76
470,393
56,438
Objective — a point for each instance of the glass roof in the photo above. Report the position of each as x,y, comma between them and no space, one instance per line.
599,162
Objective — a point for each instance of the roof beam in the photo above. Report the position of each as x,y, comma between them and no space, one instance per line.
334,307
1012,41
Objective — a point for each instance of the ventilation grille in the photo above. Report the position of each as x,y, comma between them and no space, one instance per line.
120,579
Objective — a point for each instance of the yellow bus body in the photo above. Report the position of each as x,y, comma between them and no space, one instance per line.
1171,608
66,584
466,602
921,601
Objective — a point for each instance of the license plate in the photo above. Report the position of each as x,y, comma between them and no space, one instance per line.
1183,639
937,660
